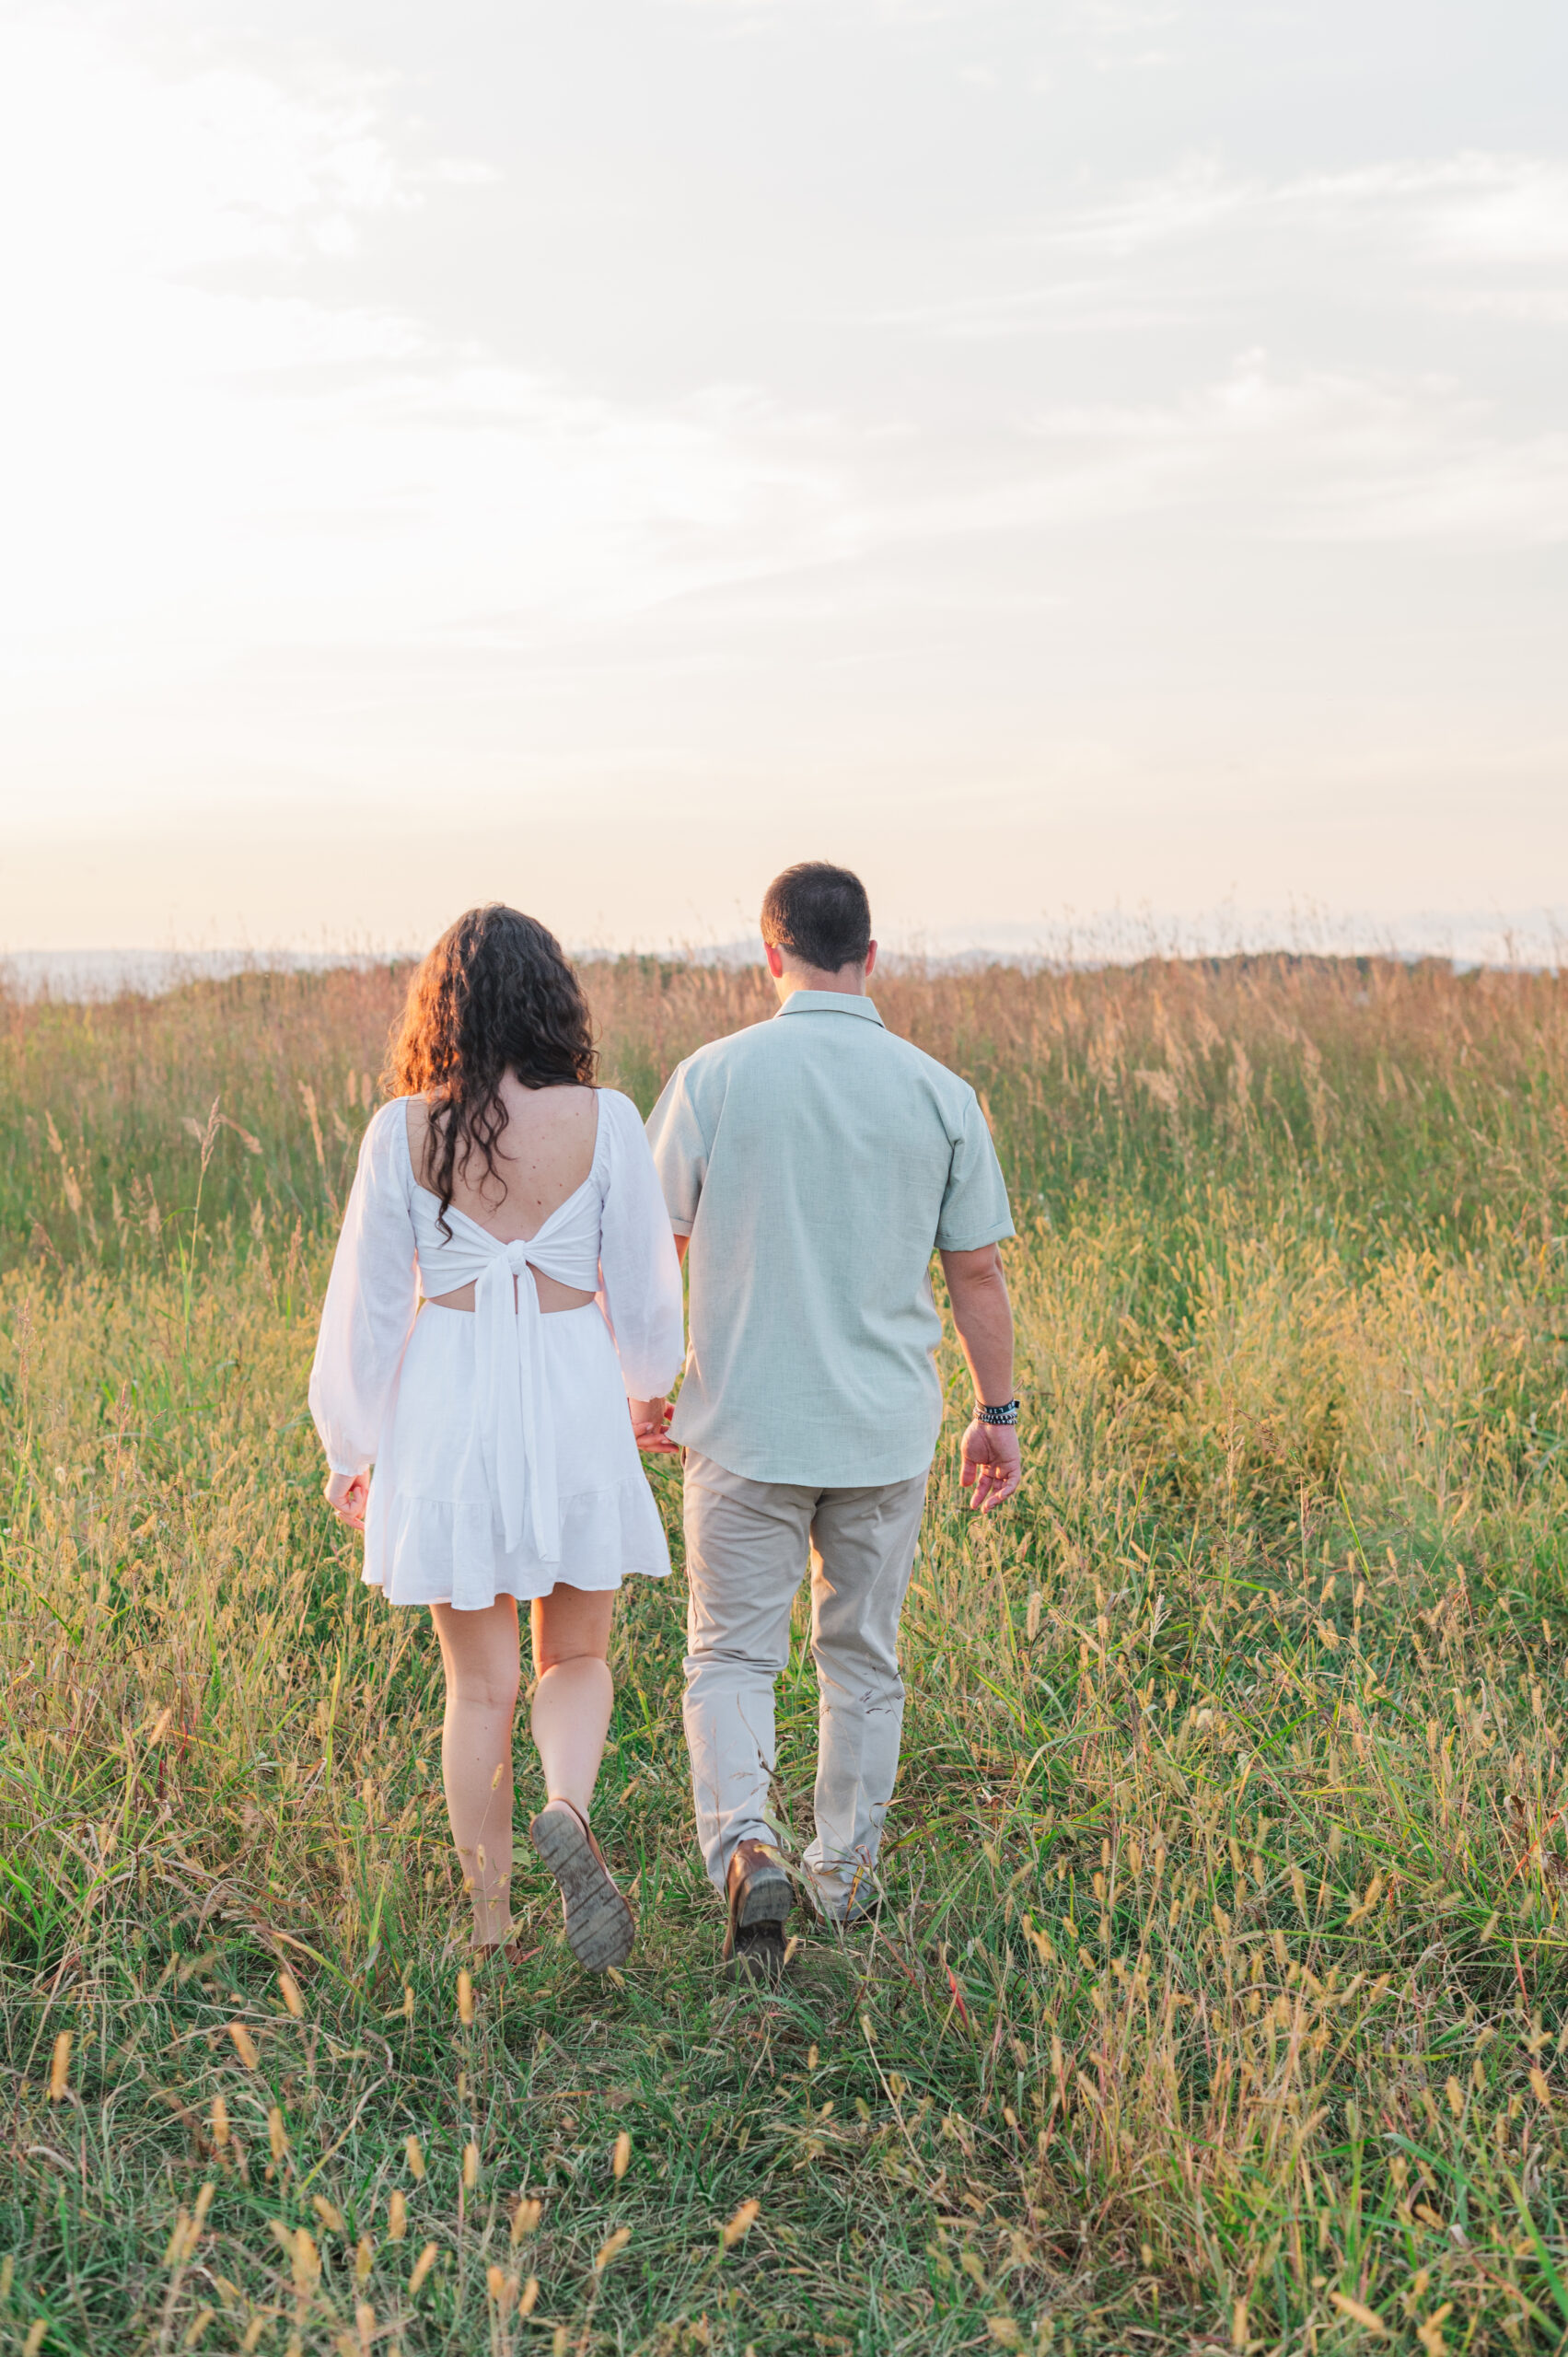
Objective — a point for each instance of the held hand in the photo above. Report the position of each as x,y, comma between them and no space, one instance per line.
348,1495
993,1466
650,1422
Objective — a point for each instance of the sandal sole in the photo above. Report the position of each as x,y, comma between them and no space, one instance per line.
600,1926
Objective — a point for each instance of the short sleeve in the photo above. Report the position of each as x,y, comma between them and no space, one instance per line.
372,1296
974,1204
679,1150
639,1275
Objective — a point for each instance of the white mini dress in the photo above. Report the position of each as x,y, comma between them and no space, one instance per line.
503,1454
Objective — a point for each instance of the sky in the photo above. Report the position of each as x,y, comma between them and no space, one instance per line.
1085,462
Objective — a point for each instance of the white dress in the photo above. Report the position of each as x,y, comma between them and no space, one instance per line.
503,1454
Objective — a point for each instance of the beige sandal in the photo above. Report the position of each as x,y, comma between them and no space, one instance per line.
600,1925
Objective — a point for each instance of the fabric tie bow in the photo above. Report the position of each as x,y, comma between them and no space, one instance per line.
518,1428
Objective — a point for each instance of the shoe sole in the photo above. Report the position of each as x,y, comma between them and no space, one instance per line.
600,1926
755,1941
758,1955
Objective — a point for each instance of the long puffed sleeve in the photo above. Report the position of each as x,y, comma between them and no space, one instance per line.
639,1275
372,1296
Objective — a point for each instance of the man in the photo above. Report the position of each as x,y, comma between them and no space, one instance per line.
811,1165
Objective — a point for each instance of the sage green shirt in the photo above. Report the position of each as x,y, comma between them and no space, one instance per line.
815,1162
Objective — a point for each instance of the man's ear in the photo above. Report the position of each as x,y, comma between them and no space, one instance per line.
871,961
775,959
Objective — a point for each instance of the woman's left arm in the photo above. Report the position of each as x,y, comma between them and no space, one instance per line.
639,1273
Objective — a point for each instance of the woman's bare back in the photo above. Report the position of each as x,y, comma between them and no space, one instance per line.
543,1157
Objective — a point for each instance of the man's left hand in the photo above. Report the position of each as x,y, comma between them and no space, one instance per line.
993,1464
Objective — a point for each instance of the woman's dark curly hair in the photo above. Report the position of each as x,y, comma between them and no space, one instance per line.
495,994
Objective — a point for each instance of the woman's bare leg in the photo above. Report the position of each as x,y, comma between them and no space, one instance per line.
572,1702
479,1654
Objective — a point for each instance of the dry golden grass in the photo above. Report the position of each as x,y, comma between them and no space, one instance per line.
1218,1993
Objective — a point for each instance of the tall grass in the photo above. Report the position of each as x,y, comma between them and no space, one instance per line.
1218,1996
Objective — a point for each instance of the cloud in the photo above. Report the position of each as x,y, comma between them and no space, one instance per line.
209,437
1257,456
1320,455
1472,233
1462,213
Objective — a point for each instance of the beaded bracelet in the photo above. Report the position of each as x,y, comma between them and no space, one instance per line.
1007,1415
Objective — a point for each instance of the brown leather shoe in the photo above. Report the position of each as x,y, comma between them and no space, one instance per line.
758,1889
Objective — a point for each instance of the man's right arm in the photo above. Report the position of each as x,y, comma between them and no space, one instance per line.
680,1154
982,1313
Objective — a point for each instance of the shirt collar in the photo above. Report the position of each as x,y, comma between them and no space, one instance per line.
831,1003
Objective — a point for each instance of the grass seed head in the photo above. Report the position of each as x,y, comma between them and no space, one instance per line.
245,2046
470,2166
421,2267
1367,2318
220,2122
60,2068
529,2300
465,1999
291,1996
415,2159
622,2160
397,2216
613,2248
740,2225
306,2262
277,2134
525,2220
331,2217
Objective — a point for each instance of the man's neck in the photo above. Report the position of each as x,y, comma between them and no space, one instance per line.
849,981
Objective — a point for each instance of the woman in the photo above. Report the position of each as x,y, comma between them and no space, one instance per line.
520,1199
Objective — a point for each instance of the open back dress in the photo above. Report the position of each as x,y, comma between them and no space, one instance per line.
504,1454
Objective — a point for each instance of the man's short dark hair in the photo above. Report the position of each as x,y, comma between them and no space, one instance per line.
820,913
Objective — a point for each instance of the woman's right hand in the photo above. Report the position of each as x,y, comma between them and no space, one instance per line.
650,1422
348,1495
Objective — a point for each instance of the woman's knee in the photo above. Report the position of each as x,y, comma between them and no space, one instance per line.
485,1686
479,1654
571,1624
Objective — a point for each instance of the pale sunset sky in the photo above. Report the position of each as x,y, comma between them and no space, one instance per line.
1054,455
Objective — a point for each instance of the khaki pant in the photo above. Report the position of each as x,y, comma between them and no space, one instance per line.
746,1549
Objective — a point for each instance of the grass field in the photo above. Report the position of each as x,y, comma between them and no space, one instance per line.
1218,1996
